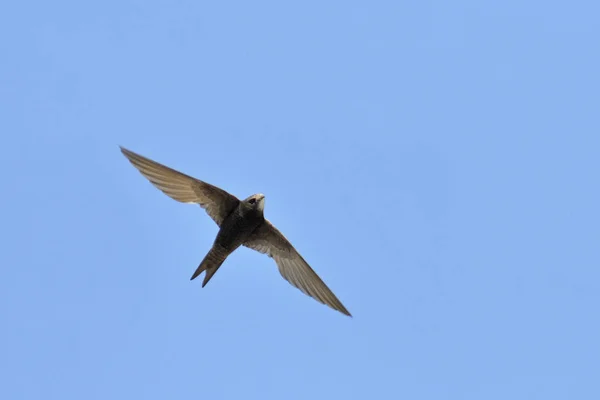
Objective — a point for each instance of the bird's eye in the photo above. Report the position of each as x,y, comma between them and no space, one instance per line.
252,201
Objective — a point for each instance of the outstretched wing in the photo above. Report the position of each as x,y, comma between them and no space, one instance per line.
268,240
217,202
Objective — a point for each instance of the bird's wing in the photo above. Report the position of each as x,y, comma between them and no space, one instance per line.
217,202
268,240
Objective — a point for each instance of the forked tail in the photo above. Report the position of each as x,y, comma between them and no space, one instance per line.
211,263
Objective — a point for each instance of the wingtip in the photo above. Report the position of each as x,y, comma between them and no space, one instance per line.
125,152
340,308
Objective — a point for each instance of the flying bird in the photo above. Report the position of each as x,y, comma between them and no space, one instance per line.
241,223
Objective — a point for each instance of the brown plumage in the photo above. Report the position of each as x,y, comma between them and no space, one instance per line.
241,222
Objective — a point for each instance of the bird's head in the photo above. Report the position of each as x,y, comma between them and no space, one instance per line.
256,202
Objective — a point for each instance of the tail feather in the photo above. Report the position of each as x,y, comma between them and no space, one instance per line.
211,263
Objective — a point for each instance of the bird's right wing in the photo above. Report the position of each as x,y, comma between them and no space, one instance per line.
217,202
268,240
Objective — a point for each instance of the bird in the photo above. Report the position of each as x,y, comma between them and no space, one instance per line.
241,223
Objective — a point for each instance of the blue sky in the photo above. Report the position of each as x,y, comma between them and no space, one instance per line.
435,162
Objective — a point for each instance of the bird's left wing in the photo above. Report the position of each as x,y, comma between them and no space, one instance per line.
268,240
181,187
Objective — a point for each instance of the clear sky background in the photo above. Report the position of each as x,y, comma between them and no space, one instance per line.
436,163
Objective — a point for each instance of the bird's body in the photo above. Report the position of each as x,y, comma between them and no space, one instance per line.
235,230
241,223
